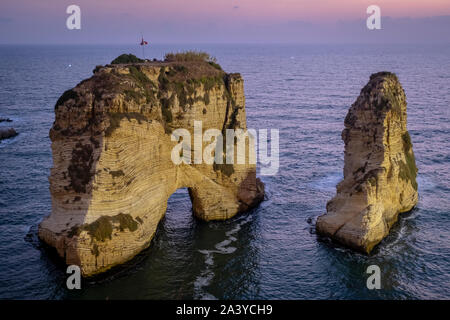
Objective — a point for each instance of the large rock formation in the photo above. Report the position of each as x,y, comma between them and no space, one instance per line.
112,170
380,170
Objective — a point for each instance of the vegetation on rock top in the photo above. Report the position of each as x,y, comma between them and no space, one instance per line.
190,55
184,79
127,58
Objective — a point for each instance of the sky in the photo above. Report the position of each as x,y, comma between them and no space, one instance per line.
224,21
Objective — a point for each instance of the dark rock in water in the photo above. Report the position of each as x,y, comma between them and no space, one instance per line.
6,133
5,120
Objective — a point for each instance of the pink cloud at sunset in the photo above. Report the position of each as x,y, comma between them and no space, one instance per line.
255,10
113,21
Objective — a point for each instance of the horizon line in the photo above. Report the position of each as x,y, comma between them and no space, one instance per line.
221,43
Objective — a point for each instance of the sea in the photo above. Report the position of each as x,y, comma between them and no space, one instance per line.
271,252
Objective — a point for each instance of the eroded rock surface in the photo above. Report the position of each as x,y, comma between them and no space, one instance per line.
379,172
112,171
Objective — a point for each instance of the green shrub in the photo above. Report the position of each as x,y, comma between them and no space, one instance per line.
115,118
102,228
407,144
132,95
117,173
215,65
191,55
126,58
139,76
181,69
167,114
408,169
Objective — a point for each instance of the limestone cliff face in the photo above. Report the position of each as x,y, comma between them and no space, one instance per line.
112,170
380,170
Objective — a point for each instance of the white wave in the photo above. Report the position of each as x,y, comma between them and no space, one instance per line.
202,281
223,247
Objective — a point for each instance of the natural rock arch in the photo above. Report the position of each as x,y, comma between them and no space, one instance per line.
112,172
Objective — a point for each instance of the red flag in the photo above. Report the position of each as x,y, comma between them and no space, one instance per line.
143,42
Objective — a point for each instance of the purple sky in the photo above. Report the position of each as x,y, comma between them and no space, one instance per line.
225,21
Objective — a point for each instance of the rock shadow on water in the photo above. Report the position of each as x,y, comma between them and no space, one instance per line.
198,262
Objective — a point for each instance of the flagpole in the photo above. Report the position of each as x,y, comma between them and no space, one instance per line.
143,43
143,46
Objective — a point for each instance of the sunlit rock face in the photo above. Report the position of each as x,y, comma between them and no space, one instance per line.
379,172
112,169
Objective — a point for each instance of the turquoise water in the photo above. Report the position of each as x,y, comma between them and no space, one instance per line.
271,252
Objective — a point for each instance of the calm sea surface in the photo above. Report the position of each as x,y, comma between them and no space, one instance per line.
271,252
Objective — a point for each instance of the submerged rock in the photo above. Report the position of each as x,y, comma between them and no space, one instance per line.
379,172
6,133
5,120
112,170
